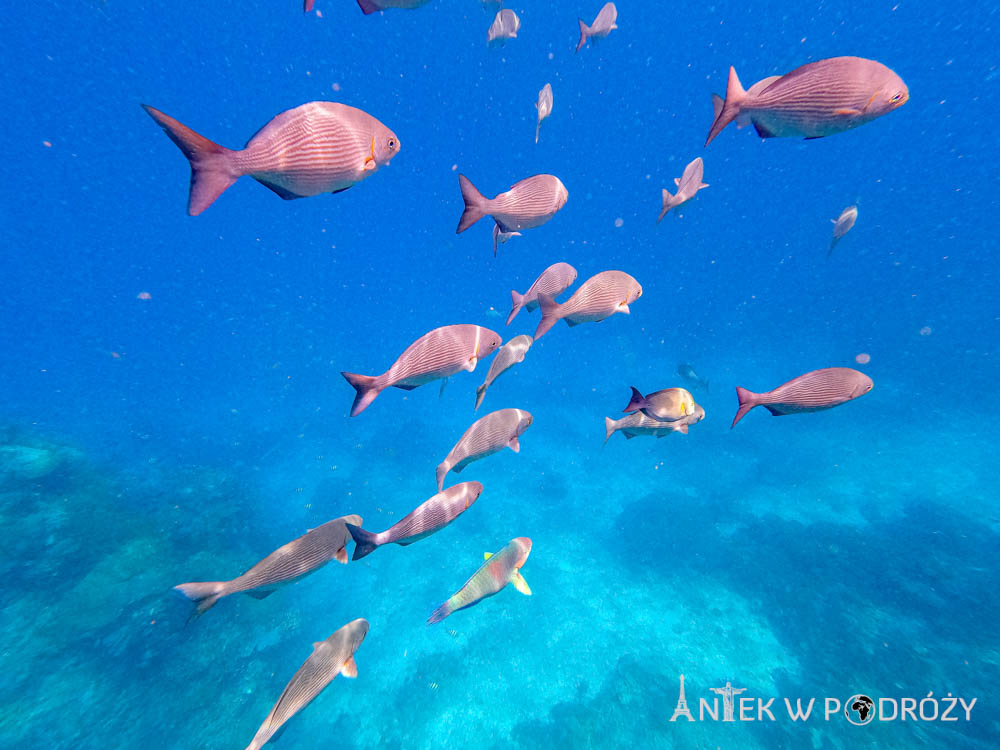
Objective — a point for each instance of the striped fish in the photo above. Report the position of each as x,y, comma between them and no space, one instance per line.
496,572
599,297
638,424
842,225
329,658
287,564
504,27
373,6
430,516
486,436
528,204
319,147
688,184
553,281
814,391
510,354
437,354
815,100
603,25
544,106
668,405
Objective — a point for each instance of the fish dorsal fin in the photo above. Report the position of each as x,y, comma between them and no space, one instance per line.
520,584
350,668
487,555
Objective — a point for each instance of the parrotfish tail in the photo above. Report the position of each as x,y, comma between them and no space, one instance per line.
439,614
584,33
668,203
365,542
550,314
480,395
307,6
212,170
475,204
748,400
366,389
442,471
205,594
609,428
638,401
516,300
735,96
368,7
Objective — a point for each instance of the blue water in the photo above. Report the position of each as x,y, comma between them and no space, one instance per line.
147,442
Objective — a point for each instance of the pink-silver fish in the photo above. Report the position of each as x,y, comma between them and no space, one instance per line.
842,225
599,297
495,573
688,184
638,424
510,354
528,204
486,436
603,25
505,25
814,391
553,281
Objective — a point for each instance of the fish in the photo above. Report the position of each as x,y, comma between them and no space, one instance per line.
544,106
528,204
599,297
373,6
842,225
287,564
437,354
486,436
553,281
814,391
603,25
430,516
496,572
504,27
638,424
500,236
667,405
688,184
318,147
510,354
693,379
816,100
329,658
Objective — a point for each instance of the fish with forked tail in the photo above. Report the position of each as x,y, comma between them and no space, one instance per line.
688,184
814,391
638,424
494,574
603,25
510,354
842,225
599,297
528,204
667,405
487,435
553,281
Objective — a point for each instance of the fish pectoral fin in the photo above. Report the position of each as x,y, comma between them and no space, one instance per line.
404,387
514,444
814,137
334,192
520,584
471,364
683,429
341,556
258,594
278,190
369,164
350,668
762,131
487,555
847,111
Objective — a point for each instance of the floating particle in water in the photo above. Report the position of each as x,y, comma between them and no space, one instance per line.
336,87
454,167
925,331
47,144
863,358
144,295
619,221
551,55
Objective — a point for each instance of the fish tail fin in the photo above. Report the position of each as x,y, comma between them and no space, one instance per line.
365,542
439,614
367,389
637,402
735,96
480,395
717,104
442,471
212,169
307,6
475,204
668,203
584,33
748,400
516,301
368,7
610,426
550,314
204,594
833,244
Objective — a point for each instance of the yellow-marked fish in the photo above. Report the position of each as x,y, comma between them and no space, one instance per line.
667,405
638,424
498,570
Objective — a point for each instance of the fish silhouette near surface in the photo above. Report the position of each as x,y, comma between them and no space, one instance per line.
544,106
437,354
504,27
487,435
813,101
495,573
374,6
528,204
688,184
553,281
668,405
430,516
842,225
319,147
603,25
693,379
288,563
329,658
599,297
638,424
814,391
510,354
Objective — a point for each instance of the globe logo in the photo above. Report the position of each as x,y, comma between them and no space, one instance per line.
859,710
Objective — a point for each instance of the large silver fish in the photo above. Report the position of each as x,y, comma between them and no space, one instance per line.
437,354
329,658
544,106
319,147
430,516
553,281
510,354
603,25
842,225
504,27
373,6
814,391
816,100
528,204
638,424
494,574
288,563
599,297
486,436
668,405
688,184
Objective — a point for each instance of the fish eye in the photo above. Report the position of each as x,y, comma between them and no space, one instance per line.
896,98
392,143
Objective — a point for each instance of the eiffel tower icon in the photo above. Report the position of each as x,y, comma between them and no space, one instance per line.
682,706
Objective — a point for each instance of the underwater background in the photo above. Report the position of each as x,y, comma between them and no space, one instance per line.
183,436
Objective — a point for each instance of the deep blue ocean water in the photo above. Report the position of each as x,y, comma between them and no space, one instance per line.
148,442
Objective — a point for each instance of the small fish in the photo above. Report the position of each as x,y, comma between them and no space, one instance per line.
373,6
690,377
504,27
667,405
842,225
528,204
553,281
288,563
501,237
496,572
638,424
329,658
603,25
510,354
319,147
813,101
814,391
599,297
430,516
486,436
544,106
437,354
688,184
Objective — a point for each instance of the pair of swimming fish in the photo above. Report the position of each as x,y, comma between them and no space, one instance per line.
659,414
